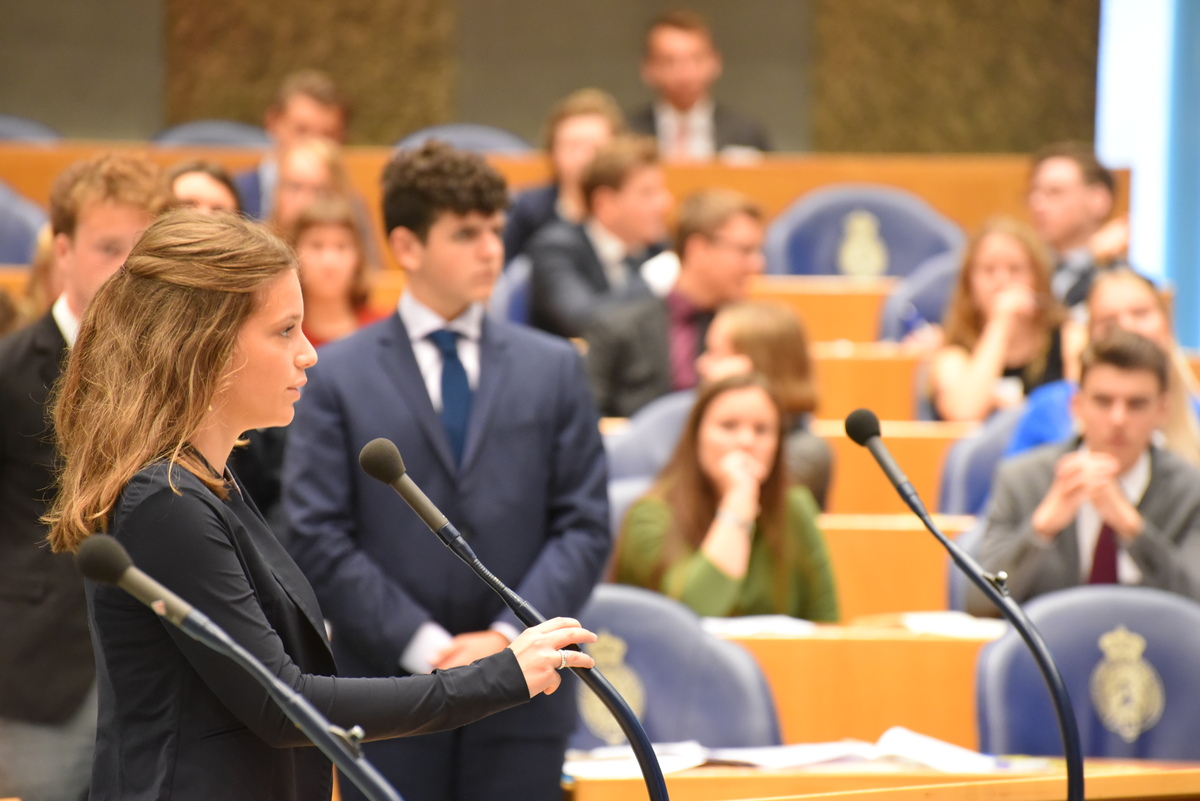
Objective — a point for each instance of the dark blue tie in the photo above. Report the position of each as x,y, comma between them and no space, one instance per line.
456,391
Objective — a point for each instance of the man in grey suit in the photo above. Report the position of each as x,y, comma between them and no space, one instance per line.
640,352
1108,506
681,63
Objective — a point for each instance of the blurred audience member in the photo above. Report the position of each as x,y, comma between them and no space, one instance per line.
1120,298
721,529
308,170
579,125
307,105
680,64
98,209
1002,326
642,351
10,313
204,185
580,269
1108,507
769,339
44,284
1071,197
334,274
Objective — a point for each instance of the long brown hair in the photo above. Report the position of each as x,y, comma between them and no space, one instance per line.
1183,428
772,337
337,210
691,496
154,348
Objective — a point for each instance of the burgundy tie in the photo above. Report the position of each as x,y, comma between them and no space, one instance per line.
1104,558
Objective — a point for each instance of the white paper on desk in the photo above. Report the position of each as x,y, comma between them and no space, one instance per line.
794,756
619,762
953,624
755,625
931,752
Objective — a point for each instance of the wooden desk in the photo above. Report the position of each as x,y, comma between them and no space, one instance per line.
860,487
881,375
1102,780
888,563
831,307
859,681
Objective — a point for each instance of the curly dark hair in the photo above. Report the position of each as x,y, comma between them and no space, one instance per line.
418,185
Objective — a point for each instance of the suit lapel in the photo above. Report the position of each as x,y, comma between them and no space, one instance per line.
595,270
400,365
494,369
52,349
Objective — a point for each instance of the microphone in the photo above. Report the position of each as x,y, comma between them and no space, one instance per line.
380,459
862,426
103,559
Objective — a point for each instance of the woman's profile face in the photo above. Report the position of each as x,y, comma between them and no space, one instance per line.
1129,304
201,191
269,360
328,256
741,419
1000,262
720,359
576,140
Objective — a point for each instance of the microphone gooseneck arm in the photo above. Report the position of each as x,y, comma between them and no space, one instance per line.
373,454
996,589
103,559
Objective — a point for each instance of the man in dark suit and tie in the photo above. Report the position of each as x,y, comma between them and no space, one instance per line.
1108,506
578,269
98,209
645,350
308,104
496,424
681,63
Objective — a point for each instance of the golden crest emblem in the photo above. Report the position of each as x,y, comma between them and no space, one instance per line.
609,653
862,252
1126,690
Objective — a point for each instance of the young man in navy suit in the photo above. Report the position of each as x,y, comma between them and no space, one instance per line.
496,423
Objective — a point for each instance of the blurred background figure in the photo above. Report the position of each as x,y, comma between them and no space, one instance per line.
1002,327
204,185
577,128
721,529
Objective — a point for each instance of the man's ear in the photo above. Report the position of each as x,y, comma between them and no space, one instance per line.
407,248
1100,202
61,247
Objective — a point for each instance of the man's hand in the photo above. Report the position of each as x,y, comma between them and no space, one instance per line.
1075,476
466,648
1116,510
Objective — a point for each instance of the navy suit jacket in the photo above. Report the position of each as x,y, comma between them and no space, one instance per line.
249,187
530,210
730,129
530,497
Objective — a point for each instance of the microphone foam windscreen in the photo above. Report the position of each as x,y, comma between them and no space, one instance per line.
861,425
380,459
101,558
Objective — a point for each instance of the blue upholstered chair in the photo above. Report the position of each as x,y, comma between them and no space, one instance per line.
212,132
468,136
644,446
971,462
920,297
20,221
510,295
20,129
621,494
860,229
1129,657
681,682
956,580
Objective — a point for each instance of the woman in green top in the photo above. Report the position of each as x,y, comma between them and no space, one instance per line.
721,530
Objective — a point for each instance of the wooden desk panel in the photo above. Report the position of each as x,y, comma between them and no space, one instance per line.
879,375
857,681
831,307
888,563
860,487
1111,781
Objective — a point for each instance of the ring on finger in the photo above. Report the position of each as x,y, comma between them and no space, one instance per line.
562,656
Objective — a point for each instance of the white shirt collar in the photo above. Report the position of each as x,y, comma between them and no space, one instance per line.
68,323
700,112
420,321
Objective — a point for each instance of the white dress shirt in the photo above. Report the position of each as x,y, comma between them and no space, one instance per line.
611,251
68,323
696,141
1133,483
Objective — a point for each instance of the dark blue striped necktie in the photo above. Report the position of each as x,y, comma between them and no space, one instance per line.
456,391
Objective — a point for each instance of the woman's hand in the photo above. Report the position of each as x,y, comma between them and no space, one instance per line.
538,652
1016,302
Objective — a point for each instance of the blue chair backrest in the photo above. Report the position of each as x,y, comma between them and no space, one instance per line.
510,296
956,580
971,463
857,229
20,221
1129,658
644,446
622,492
682,682
468,136
212,132
20,129
920,297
